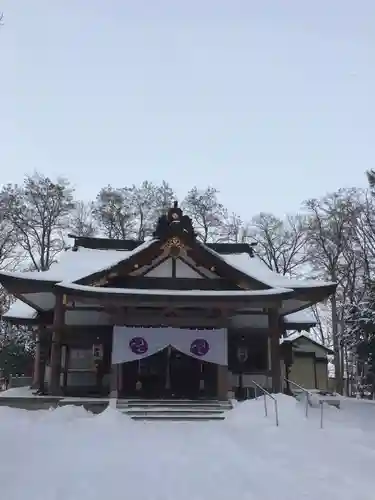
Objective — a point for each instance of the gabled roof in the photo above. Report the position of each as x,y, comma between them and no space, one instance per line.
294,337
80,263
300,320
21,312
92,260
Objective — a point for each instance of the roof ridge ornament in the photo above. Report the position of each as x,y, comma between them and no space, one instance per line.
174,224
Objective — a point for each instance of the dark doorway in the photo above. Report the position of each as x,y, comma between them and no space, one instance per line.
145,378
191,378
184,375
169,374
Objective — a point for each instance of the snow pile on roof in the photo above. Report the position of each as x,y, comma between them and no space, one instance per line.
183,293
245,457
20,310
74,265
304,316
294,336
257,269
298,335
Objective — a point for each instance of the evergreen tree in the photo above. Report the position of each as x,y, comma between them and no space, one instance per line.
360,338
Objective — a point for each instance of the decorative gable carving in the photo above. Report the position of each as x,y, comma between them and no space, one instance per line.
174,247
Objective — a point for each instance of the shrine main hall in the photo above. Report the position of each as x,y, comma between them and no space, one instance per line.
169,317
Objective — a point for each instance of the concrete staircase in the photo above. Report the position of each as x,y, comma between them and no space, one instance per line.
174,409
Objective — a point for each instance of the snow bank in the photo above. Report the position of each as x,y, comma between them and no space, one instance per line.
252,410
70,454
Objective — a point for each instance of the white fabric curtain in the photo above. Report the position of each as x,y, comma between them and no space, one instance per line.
130,344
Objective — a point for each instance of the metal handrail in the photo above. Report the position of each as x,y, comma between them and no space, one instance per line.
308,393
265,394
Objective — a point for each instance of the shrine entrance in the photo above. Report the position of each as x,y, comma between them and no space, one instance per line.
184,375
168,362
145,378
168,374
191,378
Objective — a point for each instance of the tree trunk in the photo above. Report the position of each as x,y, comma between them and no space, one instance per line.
336,345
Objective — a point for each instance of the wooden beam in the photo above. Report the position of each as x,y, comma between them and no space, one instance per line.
170,283
177,322
198,301
275,333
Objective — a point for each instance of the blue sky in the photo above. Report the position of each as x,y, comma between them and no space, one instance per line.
272,102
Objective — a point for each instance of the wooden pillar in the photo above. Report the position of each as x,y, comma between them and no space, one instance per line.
114,382
114,376
40,360
222,382
315,374
64,365
275,351
37,362
45,341
54,386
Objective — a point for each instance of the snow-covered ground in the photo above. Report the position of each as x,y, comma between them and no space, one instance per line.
69,454
18,392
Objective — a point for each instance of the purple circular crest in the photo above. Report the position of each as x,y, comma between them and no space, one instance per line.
138,345
199,347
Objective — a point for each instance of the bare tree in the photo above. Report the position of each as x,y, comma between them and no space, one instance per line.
281,243
364,244
331,231
113,212
148,202
82,222
131,212
234,230
207,213
9,256
322,330
38,211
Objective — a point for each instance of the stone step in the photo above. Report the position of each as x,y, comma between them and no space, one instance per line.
171,400
174,404
183,418
170,406
174,411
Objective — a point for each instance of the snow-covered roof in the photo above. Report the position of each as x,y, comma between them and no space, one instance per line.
298,335
181,293
258,270
82,262
294,336
20,310
304,316
74,265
